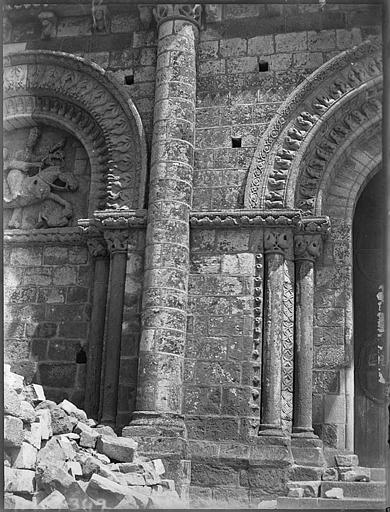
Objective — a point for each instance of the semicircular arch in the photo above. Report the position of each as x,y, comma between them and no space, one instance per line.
71,93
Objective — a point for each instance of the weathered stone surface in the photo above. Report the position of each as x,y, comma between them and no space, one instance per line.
89,464
11,501
119,449
50,477
335,492
159,466
27,412
73,410
354,474
45,421
32,434
34,393
24,457
136,479
88,436
129,467
105,430
310,489
55,452
13,432
296,492
12,402
55,500
330,474
347,460
19,480
60,422
100,488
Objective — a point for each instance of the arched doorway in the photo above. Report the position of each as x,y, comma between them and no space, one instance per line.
368,280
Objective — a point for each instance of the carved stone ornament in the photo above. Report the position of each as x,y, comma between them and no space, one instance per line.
85,101
145,12
116,240
48,21
278,241
188,12
327,88
100,17
97,247
307,247
29,181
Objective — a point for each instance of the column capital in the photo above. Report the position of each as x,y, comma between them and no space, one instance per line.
186,12
277,240
307,246
116,240
97,247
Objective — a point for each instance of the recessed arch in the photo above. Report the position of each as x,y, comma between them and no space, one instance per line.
309,125
69,92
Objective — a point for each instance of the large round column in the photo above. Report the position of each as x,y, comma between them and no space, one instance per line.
275,244
307,248
157,423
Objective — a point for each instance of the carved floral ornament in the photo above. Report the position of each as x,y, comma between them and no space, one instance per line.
188,12
86,102
287,139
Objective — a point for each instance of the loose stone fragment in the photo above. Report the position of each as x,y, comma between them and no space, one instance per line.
347,460
46,404
56,452
13,432
60,421
335,492
117,448
55,500
45,421
129,467
24,457
14,380
356,474
34,393
129,502
100,488
330,474
74,411
74,468
297,492
105,430
12,402
158,466
27,412
18,480
88,436
133,478
11,501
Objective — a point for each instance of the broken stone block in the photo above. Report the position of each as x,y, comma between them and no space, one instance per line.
12,402
74,468
356,474
140,498
133,478
105,430
52,477
24,457
117,448
11,501
34,393
46,404
27,412
88,436
349,459
129,502
89,464
297,492
335,492
55,500
103,458
159,466
330,474
55,453
129,467
71,436
15,381
73,410
66,446
111,475
60,421
91,422
168,484
44,417
140,489
13,432
169,500
18,480
100,488
310,489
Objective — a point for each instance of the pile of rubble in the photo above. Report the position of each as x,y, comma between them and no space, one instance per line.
57,458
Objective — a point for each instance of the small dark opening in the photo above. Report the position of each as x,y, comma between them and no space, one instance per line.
236,142
81,356
129,79
263,66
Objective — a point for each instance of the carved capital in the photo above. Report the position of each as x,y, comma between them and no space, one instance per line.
188,12
48,21
116,240
97,247
307,247
145,12
277,241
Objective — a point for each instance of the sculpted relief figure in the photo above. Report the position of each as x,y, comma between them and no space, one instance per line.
29,183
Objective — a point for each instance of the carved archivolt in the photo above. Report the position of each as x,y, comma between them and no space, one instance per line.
272,180
69,92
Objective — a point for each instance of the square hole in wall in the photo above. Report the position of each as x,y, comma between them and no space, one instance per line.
236,142
263,66
129,79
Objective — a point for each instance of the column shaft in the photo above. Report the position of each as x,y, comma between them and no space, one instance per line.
96,334
117,243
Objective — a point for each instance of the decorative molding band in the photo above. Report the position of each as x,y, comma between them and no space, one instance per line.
245,218
300,114
62,236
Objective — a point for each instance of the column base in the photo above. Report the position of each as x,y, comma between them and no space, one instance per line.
307,450
303,432
266,429
163,436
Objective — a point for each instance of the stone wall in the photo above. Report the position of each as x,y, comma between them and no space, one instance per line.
47,294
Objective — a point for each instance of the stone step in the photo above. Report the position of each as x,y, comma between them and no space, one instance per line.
378,474
329,504
303,473
362,490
